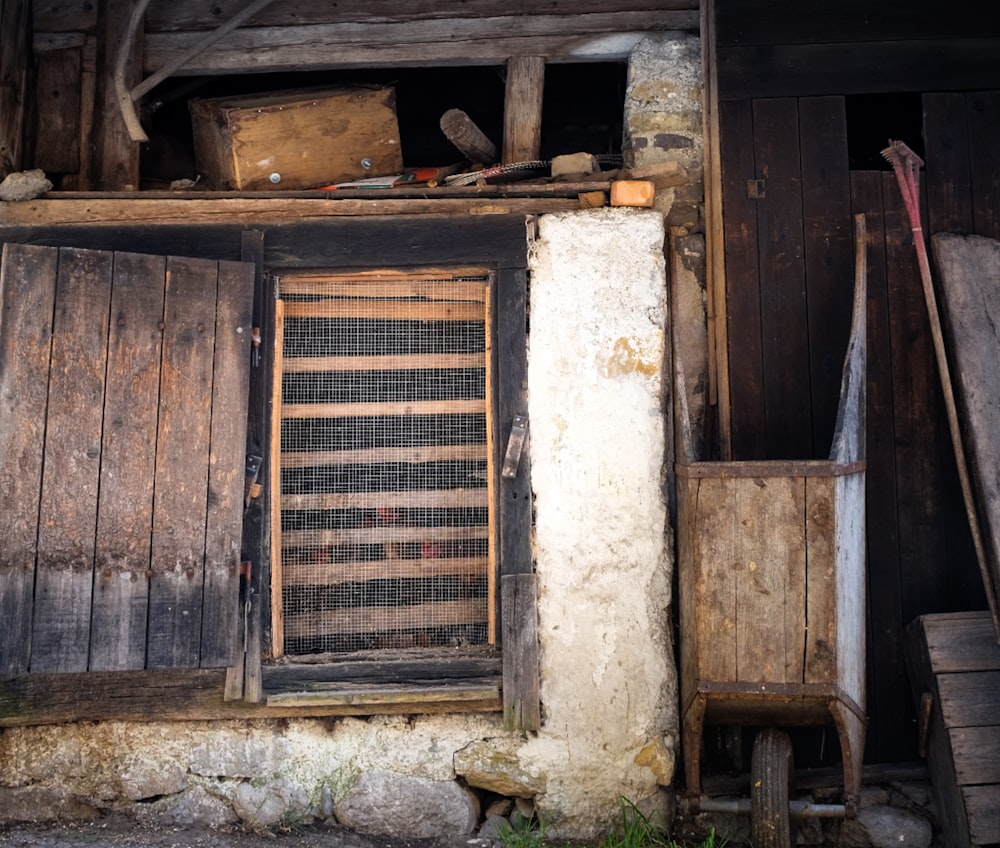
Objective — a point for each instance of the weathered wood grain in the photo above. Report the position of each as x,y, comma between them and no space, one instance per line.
125,512
174,695
877,67
182,465
57,104
15,58
744,353
116,160
789,22
227,461
522,114
140,211
165,16
827,245
783,303
969,273
27,297
983,110
982,807
64,575
594,36
949,183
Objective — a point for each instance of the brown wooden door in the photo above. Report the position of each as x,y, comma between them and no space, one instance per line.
123,382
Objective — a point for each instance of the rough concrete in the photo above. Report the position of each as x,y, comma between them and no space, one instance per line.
597,399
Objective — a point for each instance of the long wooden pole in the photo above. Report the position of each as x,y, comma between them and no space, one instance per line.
906,165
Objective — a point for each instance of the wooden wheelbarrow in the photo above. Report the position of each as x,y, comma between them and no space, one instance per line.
772,604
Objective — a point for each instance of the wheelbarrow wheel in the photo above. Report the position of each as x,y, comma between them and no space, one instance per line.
771,784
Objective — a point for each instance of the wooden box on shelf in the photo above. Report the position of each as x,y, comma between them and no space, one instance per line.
296,139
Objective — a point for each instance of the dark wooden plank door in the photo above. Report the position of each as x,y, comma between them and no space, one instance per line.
789,271
125,378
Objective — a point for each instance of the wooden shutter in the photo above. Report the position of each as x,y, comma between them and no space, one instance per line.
123,384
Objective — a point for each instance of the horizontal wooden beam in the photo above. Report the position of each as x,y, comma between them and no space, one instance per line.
184,15
882,67
592,37
35,699
140,210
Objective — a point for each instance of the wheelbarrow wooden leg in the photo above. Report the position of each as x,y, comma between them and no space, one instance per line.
851,726
694,724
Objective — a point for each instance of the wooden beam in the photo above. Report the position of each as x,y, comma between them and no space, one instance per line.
181,695
116,167
186,15
522,119
229,210
593,37
14,58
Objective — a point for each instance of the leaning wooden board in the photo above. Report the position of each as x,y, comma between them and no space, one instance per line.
969,281
954,664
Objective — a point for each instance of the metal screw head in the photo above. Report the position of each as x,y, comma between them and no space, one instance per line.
366,163
275,178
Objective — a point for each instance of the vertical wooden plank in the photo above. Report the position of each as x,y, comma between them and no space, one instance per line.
522,119
829,257
921,436
116,163
744,354
519,627
277,602
984,130
770,578
715,242
784,325
227,463
821,580
27,297
244,679
128,457
15,56
493,554
182,462
949,181
57,103
885,673
712,582
522,697
64,576
82,179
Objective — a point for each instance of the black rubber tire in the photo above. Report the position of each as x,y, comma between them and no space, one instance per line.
772,776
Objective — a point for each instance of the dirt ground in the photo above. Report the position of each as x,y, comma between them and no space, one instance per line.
124,832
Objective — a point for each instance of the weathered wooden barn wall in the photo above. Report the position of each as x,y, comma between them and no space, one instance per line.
76,46
789,83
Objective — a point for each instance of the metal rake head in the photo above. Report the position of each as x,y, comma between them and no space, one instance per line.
898,154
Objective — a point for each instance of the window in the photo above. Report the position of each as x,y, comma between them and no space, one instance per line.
383,533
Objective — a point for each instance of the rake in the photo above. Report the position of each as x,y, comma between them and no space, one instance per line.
906,164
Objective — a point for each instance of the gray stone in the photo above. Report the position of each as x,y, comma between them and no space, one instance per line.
279,801
891,826
24,185
142,778
494,829
411,807
194,806
226,756
41,803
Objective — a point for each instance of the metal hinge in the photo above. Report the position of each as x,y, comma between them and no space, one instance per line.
515,446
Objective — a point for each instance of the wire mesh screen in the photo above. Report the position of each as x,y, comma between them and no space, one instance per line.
385,531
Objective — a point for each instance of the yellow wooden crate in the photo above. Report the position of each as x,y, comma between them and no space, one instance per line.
296,139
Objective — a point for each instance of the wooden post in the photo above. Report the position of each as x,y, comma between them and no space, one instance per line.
522,121
15,45
116,161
